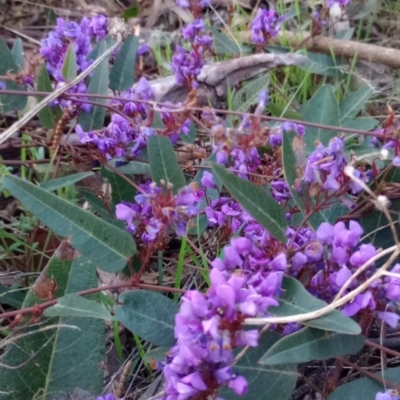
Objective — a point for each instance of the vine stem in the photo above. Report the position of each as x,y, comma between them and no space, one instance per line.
57,93
173,108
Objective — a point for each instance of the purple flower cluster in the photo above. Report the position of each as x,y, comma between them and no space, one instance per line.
55,46
331,256
325,166
114,139
265,26
210,325
157,210
187,64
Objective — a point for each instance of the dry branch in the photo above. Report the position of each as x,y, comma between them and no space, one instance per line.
342,48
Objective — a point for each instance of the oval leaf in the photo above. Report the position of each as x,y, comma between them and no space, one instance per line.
94,119
354,103
10,102
122,74
69,67
66,356
60,183
248,94
106,245
257,201
365,388
120,189
311,344
296,300
73,305
48,116
322,108
149,315
17,52
163,163
265,383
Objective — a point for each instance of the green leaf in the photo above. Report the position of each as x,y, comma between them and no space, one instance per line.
322,108
354,103
365,388
345,34
248,94
95,52
157,354
223,45
73,305
265,383
201,224
364,124
68,180
10,102
12,296
54,362
100,207
323,64
120,188
163,163
149,315
296,300
48,116
122,74
277,110
106,245
94,119
131,12
17,53
311,344
69,67
133,168
257,201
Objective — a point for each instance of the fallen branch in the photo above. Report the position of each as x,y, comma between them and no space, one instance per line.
342,48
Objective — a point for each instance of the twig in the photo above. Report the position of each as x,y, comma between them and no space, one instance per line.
30,114
330,307
369,374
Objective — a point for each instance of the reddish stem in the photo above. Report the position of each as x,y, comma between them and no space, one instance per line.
43,306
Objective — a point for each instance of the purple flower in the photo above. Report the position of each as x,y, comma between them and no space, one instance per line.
392,319
365,253
190,31
325,233
265,25
207,180
341,3
396,161
392,285
98,27
145,48
360,302
108,396
186,65
388,395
